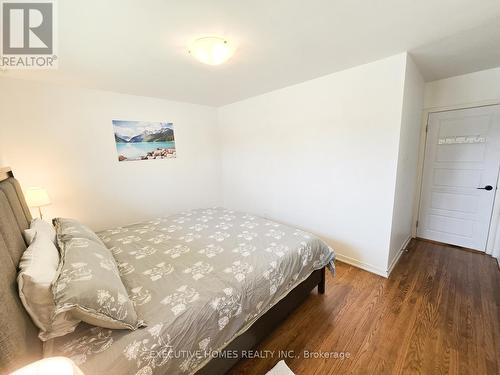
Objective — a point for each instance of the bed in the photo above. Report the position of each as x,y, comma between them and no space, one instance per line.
209,283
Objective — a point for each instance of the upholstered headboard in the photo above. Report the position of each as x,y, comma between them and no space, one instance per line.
19,343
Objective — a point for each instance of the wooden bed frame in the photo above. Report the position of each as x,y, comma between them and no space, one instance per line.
19,343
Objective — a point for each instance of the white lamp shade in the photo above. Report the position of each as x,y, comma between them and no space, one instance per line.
211,50
37,197
50,366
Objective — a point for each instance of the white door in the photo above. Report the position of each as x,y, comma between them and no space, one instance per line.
461,165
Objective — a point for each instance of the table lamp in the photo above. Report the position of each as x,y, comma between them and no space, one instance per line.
50,366
37,197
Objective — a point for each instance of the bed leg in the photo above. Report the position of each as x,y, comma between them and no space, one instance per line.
321,285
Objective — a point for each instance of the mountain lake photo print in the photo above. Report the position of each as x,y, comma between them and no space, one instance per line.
141,140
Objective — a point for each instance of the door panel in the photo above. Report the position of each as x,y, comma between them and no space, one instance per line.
449,225
462,154
467,178
454,202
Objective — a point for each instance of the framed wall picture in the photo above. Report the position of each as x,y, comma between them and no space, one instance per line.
142,140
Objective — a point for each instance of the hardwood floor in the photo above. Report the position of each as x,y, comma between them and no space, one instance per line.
438,313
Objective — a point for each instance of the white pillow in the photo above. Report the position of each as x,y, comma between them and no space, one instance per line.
37,270
39,225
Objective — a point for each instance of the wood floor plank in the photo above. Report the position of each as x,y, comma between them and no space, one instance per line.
438,313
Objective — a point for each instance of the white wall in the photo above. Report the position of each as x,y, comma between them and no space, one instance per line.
465,91
62,139
2,148
406,182
494,249
332,155
321,155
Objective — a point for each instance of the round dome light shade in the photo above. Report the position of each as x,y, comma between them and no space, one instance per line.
211,50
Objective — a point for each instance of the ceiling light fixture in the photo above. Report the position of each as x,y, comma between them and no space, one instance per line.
211,50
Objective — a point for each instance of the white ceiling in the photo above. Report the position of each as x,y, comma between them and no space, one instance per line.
139,47
464,52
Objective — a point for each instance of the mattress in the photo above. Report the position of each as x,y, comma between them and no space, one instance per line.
198,279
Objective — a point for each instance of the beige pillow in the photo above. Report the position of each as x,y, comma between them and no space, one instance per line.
39,225
37,270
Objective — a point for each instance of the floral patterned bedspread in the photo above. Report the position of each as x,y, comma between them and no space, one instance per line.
198,279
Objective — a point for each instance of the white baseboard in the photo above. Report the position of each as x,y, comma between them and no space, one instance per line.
398,255
371,268
359,264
